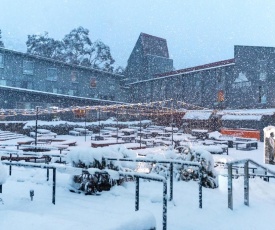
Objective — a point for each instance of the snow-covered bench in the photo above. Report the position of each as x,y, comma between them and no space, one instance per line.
74,133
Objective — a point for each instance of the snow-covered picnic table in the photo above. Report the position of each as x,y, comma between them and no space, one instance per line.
107,142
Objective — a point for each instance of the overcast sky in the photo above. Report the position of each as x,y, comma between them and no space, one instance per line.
197,32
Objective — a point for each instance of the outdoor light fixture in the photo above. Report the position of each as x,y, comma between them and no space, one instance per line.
31,194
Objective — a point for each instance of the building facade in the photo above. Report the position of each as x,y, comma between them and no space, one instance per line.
33,73
245,81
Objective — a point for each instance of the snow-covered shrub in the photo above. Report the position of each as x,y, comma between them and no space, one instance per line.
214,135
94,160
185,172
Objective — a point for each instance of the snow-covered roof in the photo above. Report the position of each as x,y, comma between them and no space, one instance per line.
269,112
197,115
241,117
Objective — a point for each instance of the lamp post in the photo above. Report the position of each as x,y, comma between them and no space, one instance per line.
35,142
99,121
139,131
172,118
117,125
85,122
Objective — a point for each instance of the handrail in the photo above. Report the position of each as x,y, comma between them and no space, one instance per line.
253,162
246,179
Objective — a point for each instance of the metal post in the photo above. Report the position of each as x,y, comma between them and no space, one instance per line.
54,185
172,124
48,171
246,183
10,164
171,181
200,187
85,123
99,122
164,212
137,195
35,142
1,188
140,131
117,125
230,192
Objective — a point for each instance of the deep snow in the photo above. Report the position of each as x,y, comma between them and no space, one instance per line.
115,209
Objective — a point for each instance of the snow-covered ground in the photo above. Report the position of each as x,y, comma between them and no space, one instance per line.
115,209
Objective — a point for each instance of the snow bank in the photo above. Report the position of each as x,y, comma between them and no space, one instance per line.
141,220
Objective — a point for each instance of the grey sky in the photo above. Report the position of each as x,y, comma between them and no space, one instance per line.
197,31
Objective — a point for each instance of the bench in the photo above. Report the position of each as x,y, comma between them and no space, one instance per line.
99,138
69,143
74,133
246,145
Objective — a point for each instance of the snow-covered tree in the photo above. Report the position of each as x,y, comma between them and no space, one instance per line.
119,70
1,42
44,46
75,48
76,45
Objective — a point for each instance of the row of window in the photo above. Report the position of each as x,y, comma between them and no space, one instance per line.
52,73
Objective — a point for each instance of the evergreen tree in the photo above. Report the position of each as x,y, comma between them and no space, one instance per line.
1,43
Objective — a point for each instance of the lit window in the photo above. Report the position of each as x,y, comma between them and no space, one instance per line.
52,74
220,96
28,67
1,61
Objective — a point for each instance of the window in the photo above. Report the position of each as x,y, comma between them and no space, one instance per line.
241,81
220,96
262,69
93,83
1,61
26,85
54,90
220,78
28,67
197,81
3,82
262,94
52,74
74,77
72,92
